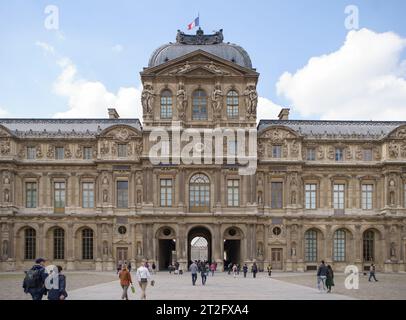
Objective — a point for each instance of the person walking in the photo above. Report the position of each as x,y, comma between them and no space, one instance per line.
235,270
129,267
230,267
321,276
269,269
245,270
203,273
153,267
58,293
254,270
143,275
330,278
372,273
125,281
193,270
212,269
119,265
34,280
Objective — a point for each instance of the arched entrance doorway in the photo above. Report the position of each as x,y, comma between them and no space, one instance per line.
166,248
199,244
232,246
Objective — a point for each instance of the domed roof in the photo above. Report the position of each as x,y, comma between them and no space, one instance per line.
212,43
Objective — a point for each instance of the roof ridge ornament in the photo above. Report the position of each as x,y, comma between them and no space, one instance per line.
200,38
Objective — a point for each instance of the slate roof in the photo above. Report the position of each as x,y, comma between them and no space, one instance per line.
189,43
325,129
64,127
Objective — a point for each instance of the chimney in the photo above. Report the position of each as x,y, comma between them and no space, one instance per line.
113,114
284,114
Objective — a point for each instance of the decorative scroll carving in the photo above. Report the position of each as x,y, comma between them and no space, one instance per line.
200,37
5,147
393,150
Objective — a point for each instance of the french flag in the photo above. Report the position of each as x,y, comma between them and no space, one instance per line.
195,23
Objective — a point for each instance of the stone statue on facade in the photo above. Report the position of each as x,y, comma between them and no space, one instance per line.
147,98
5,147
251,100
181,99
393,250
217,99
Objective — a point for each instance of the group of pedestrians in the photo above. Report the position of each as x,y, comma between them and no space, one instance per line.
201,267
39,281
325,277
143,276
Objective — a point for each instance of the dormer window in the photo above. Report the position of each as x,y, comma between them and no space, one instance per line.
339,154
59,153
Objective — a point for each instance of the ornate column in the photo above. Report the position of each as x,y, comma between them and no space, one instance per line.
70,245
98,265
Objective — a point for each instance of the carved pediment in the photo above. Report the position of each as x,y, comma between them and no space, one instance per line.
278,134
120,133
203,67
399,133
4,132
190,61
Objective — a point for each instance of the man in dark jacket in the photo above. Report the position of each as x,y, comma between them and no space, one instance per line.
322,275
34,281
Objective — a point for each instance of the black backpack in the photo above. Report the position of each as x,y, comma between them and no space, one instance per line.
32,279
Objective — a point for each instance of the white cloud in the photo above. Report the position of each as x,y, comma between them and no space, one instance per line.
364,79
46,47
3,112
117,48
87,99
267,109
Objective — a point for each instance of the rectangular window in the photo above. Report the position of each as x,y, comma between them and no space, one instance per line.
88,195
276,195
310,197
166,192
231,147
59,196
166,107
276,151
311,154
367,154
122,150
31,153
59,153
339,154
122,194
233,193
31,194
339,196
87,153
367,192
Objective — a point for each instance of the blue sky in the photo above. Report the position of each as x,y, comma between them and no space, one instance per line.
109,42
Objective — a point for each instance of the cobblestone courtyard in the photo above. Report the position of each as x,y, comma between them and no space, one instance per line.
105,286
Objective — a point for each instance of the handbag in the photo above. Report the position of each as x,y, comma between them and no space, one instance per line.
132,289
152,283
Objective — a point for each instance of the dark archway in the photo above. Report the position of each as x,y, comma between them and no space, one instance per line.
166,251
166,247
232,246
199,232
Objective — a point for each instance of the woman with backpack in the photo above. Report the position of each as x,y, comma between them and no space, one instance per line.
125,281
57,292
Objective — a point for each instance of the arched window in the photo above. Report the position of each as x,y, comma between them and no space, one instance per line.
368,245
59,244
232,104
87,244
199,192
199,105
166,104
339,245
311,246
30,243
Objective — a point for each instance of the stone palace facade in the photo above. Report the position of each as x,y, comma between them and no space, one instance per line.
85,194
